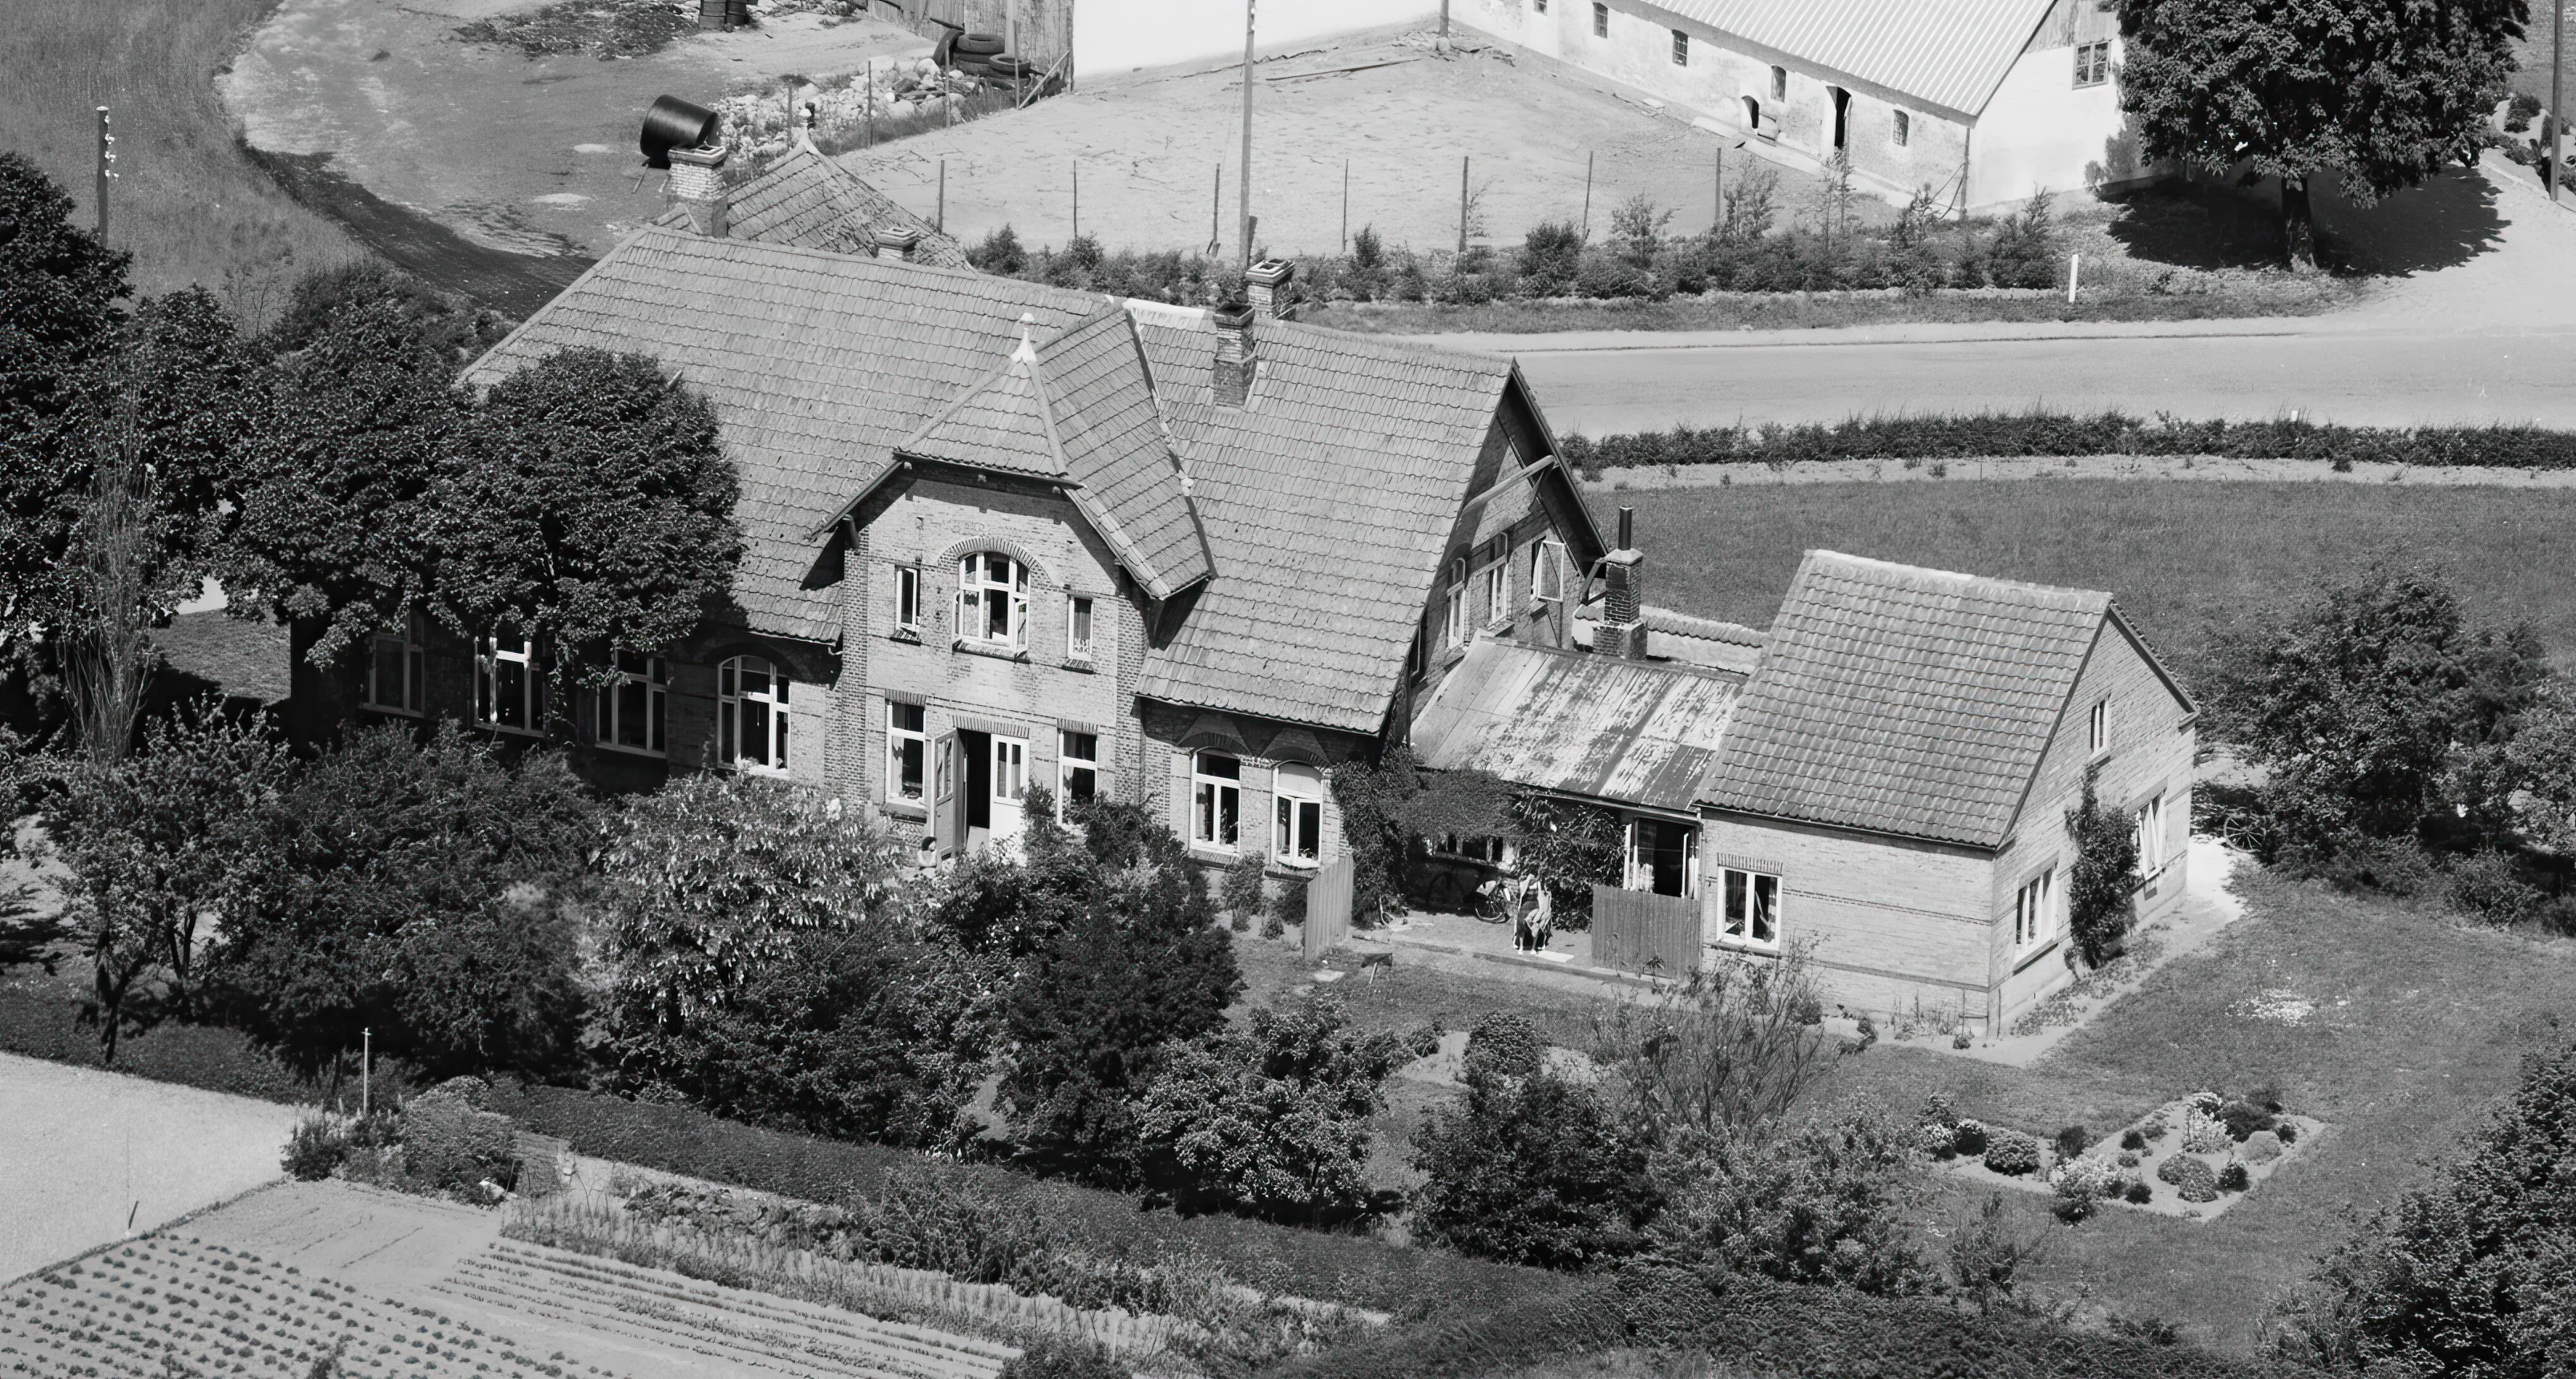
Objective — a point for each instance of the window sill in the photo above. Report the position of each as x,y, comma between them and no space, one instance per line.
389,711
1211,852
1084,664
905,634
504,731
907,809
2024,962
763,772
1300,864
1745,948
990,651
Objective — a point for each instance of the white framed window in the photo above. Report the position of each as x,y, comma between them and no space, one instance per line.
907,599
993,600
2097,728
1663,856
1455,630
1216,800
1297,814
1498,585
394,671
2151,838
509,685
1749,908
1681,49
2035,911
1904,130
1077,766
1600,19
2092,63
751,716
630,711
1078,627
1779,83
1539,5
1547,570
907,749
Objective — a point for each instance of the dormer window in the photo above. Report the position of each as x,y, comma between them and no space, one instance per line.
993,600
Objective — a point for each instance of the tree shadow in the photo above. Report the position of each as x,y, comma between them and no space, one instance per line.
2444,223
2195,224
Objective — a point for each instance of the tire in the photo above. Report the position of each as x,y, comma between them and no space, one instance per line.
1008,67
977,45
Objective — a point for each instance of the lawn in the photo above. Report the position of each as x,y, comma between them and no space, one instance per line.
2184,558
186,200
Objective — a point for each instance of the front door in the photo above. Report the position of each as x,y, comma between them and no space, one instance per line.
1010,785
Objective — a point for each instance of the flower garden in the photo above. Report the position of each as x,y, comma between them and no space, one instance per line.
161,1305
2193,1157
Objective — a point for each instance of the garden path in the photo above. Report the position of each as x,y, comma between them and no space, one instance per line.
84,1152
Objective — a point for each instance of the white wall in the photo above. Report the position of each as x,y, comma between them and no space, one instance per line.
1115,36
2041,129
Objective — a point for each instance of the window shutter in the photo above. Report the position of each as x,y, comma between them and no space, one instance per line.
1181,794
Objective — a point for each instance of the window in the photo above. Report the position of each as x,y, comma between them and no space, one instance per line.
1498,584
2034,910
1681,49
1077,628
907,600
393,670
1297,835
751,716
509,685
2097,729
1216,799
2092,63
1453,612
1077,766
1547,569
993,600
2151,838
630,711
907,745
1663,854
1750,908
1539,5
1600,19
1779,83
1904,128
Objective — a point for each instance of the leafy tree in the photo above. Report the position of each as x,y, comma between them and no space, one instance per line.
449,327
1272,1119
1551,254
2377,94
1536,1168
1569,846
419,891
2358,704
2535,772
586,504
2473,1274
1726,1051
2102,882
1822,1203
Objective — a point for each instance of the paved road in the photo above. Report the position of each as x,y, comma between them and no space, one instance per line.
2482,338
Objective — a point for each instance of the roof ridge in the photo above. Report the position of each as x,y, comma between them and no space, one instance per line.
867,262
1926,575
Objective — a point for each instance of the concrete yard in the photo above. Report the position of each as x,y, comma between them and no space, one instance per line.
81,1151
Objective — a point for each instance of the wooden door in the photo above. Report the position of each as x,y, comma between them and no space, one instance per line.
948,799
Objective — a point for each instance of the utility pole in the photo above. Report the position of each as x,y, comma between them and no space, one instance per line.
1346,205
1587,194
1462,206
1717,191
106,170
1077,200
1243,192
1216,212
2557,118
941,224
1444,18
366,1064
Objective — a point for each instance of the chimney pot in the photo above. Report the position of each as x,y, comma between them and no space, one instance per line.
697,186
1265,286
896,241
1234,354
1627,528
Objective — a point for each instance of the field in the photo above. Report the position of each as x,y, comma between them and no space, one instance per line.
186,200
2185,559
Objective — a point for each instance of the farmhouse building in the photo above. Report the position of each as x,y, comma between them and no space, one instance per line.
1983,101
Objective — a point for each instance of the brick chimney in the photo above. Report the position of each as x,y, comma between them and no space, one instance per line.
1234,354
897,242
1623,596
1265,286
697,186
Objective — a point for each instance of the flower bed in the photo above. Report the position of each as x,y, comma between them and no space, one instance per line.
2193,1157
163,1304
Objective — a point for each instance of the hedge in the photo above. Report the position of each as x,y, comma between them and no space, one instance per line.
2005,435
1350,1269
1757,1326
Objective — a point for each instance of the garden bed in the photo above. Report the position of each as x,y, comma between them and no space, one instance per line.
2184,1159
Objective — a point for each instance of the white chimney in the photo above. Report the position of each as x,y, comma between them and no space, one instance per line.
697,186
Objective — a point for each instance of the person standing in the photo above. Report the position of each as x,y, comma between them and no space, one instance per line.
1542,914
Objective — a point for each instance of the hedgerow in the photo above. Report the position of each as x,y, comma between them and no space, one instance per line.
2004,435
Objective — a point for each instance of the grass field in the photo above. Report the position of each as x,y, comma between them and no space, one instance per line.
186,200
2184,558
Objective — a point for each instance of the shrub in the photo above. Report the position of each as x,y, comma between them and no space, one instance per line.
1534,1169
451,1144
2080,1183
1727,1049
2133,1141
2288,1132
1424,1041
1822,1202
2192,1177
2102,881
1987,1255
2243,1118
2071,1140
2518,114
1969,1138
1287,906
2487,885
1569,845
1551,254
2234,1178
1503,1044
2138,1192
2012,1153
315,1147
1064,1360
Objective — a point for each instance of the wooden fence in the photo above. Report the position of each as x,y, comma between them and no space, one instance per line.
1637,931
1041,30
1328,909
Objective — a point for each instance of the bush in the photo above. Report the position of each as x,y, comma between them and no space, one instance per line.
1823,1202
2518,114
2132,1141
2288,1132
2243,1118
2071,1141
1502,1044
2138,1192
2193,1177
451,1144
2102,880
1534,1169
315,1147
1551,255
1424,1041
2012,1153
2234,1178
1064,1360
1969,1138
2080,1184
2487,885
1245,887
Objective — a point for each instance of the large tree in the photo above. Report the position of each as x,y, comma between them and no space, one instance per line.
2377,94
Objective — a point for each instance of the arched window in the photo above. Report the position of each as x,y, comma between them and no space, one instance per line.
1297,821
751,715
1216,799
993,600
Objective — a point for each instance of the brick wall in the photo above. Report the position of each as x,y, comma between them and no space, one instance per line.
1172,733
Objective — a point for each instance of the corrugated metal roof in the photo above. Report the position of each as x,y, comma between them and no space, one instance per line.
1635,732
1948,53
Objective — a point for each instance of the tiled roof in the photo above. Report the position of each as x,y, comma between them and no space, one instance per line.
1634,732
806,200
1949,53
1080,410
817,364
1904,700
1328,502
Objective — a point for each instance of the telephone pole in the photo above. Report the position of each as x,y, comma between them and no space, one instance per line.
2557,119
1243,191
106,170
